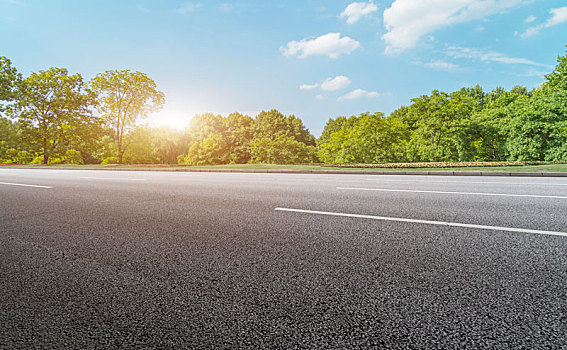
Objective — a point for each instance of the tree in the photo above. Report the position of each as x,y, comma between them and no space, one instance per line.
538,129
212,150
238,135
168,144
51,106
281,150
280,139
9,78
367,138
206,124
558,78
125,97
14,145
272,124
487,130
438,130
138,146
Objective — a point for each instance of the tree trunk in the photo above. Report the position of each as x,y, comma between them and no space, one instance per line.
45,156
120,151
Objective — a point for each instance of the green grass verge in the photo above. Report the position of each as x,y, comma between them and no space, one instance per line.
522,168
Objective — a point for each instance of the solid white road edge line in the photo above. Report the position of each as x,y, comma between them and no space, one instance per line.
447,192
427,222
110,178
471,182
24,185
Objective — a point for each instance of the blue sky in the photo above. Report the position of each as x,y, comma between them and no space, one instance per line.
315,59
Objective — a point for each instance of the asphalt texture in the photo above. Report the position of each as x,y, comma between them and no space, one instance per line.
158,260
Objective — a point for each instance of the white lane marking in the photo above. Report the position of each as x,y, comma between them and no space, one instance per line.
24,185
472,182
111,178
449,192
427,222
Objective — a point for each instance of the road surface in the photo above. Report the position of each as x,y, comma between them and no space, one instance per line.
120,259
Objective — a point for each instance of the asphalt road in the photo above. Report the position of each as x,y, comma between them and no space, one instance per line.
116,259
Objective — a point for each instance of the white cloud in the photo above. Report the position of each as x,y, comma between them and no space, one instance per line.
358,93
329,84
308,87
320,97
330,44
558,15
336,83
407,21
354,11
532,72
488,56
187,7
443,65
530,19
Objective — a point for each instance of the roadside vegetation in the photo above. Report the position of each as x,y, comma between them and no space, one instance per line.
54,117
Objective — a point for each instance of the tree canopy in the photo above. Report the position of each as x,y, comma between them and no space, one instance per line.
123,98
52,120
52,107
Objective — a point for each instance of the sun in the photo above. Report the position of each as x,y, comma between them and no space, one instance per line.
176,121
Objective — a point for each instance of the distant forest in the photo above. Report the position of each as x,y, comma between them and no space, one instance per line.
53,117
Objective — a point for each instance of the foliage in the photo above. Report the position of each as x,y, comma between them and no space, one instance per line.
9,79
269,138
138,147
211,150
168,144
429,165
368,138
123,98
281,150
273,124
52,107
52,123
538,130
558,78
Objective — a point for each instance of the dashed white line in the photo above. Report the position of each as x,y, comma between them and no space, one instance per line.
24,185
471,182
451,192
426,222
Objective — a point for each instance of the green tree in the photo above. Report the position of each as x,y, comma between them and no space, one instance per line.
206,124
9,79
538,129
281,150
558,78
138,146
272,124
487,130
169,144
438,132
51,107
281,140
212,150
238,136
125,97
332,126
14,145
367,138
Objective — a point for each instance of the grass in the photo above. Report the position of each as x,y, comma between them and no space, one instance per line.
521,168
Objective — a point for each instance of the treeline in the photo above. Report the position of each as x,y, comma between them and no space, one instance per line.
53,117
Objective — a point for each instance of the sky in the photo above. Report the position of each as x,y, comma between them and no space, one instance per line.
316,59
